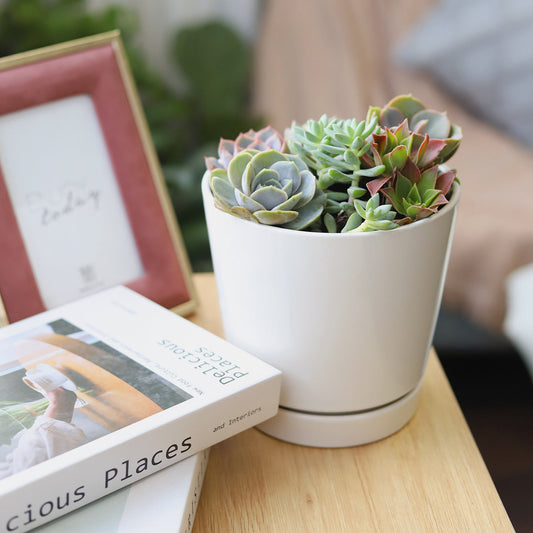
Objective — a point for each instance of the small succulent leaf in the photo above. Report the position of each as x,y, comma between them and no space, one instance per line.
298,161
373,113
356,192
359,129
420,127
351,158
371,172
363,150
411,171
370,126
347,207
237,169
415,143
307,188
444,181
211,163
275,218
407,104
327,160
244,140
354,221
342,139
360,208
329,223
271,138
288,172
219,173
398,157
287,188
269,197
438,201
290,204
334,150
373,202
429,196
337,196
431,152
242,212
381,225
375,185
428,179
222,207
247,202
402,132
274,182
310,137
392,141
437,124
325,181
417,212
403,186
393,198
315,128
339,177
226,151
388,164
390,117
265,177
452,144
223,191
333,207
414,197
383,211
379,142
266,159
308,213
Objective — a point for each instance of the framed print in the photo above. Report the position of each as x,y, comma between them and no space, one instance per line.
83,204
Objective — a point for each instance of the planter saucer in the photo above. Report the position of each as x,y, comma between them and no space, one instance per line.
338,431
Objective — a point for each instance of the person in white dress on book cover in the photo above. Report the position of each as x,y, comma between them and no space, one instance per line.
52,433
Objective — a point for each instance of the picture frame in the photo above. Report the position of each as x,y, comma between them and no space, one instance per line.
83,202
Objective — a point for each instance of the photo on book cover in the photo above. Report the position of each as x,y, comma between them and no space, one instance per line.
61,387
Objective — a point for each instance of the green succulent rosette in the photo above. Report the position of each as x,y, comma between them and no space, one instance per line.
270,188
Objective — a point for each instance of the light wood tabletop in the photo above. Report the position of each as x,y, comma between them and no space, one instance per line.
428,477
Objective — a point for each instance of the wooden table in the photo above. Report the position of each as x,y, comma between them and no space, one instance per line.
428,477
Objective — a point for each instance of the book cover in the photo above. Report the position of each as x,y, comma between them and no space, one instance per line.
164,502
99,393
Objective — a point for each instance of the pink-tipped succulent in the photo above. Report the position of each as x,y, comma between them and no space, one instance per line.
265,139
397,147
422,121
417,194
413,145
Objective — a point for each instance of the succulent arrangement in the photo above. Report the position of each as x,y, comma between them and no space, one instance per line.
340,176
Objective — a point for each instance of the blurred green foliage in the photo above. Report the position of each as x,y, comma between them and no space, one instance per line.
185,126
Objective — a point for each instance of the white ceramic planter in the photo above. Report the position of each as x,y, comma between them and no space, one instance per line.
348,318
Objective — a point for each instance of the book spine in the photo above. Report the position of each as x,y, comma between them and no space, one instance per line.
62,491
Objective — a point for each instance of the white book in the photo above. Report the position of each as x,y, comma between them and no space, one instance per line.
164,502
102,392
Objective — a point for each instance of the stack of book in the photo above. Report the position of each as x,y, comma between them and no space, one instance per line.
114,401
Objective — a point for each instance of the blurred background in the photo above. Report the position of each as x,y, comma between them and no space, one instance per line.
207,69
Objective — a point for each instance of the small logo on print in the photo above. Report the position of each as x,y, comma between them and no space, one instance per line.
88,275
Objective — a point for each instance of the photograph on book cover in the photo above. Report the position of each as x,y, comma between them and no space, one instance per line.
61,387
83,205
